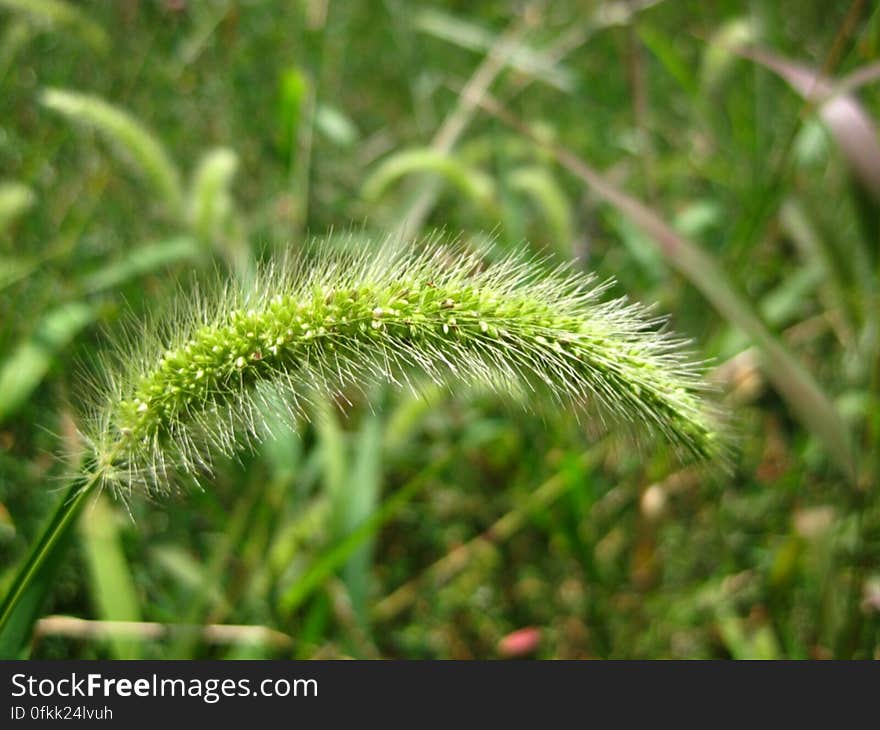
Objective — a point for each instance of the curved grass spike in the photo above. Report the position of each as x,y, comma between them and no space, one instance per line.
473,183
139,146
210,201
207,378
204,385
61,15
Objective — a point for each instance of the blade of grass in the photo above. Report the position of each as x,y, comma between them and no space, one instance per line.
189,573
414,216
362,493
352,485
539,184
34,579
499,57
216,570
474,184
293,90
110,581
140,261
471,36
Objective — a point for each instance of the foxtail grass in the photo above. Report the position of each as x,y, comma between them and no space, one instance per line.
207,380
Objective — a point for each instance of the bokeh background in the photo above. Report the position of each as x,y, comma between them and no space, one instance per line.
719,158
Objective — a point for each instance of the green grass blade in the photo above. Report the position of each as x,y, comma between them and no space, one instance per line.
141,261
471,36
110,581
539,184
27,593
665,50
293,92
362,492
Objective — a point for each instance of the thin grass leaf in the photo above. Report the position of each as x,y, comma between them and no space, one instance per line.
413,217
499,532
834,266
664,49
294,90
362,493
334,460
24,599
332,560
110,581
779,307
140,261
469,35
191,574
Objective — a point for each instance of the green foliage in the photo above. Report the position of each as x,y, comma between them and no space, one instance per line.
691,152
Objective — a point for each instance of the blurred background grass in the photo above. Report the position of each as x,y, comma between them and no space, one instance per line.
686,148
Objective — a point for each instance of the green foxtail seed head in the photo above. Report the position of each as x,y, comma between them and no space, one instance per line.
209,380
